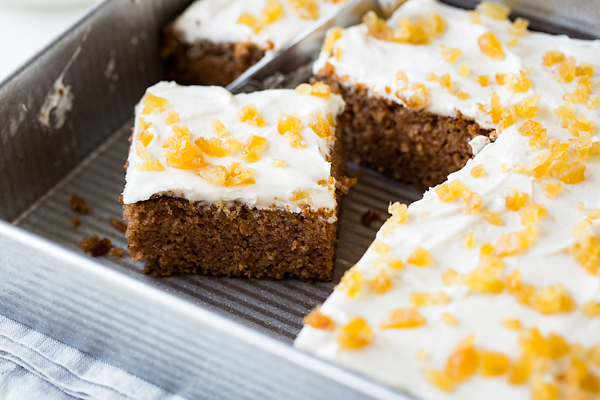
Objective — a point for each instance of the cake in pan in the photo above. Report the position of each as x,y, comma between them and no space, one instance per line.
487,287
240,185
214,41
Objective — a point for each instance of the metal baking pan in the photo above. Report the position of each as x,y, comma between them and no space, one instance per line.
65,118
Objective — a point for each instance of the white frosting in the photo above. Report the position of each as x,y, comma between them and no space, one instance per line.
216,20
440,227
478,143
196,106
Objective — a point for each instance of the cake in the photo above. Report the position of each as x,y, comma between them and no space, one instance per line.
487,287
235,185
214,41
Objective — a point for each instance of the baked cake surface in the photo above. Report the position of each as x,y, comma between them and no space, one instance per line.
214,41
234,185
488,286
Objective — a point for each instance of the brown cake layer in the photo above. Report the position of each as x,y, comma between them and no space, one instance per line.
411,146
205,62
177,237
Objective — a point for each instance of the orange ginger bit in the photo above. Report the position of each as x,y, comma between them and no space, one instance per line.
500,79
593,354
584,69
420,257
512,324
566,113
238,175
526,108
566,70
493,218
542,390
516,200
475,17
478,171
351,282
593,102
338,54
462,95
152,103
419,32
579,378
333,34
172,118
216,174
450,191
298,195
254,149
378,28
307,9
216,147
147,164
552,57
450,277
403,318
272,12
508,118
483,80
395,264
583,147
317,320
464,70
533,343
519,371
179,151
516,30
472,204
497,108
513,243
320,125
532,213
492,363
418,98
449,319
355,335
551,189
420,299
463,362
251,21
517,82
249,114
586,249
489,44
399,212
145,138
485,279
536,133
551,300
591,309
469,240
318,89
219,128
450,54
381,283
568,173
380,247
581,91
493,10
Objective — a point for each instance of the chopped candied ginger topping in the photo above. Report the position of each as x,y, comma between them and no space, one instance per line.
489,44
216,147
351,282
552,57
355,335
318,89
516,30
486,278
513,243
450,54
515,82
320,125
577,125
409,32
534,344
448,192
381,283
216,174
591,309
301,195
462,95
380,247
464,70
331,37
526,108
478,171
536,133
493,218
461,365
254,149
172,118
249,114
516,200
586,249
180,152
235,175
219,128
450,277
317,320
251,21
148,163
593,102
493,10
152,103
472,204
449,319
290,126
497,108
420,299
551,300
469,241
568,70
419,97
551,189
399,213
475,17
272,12
307,9
532,213
144,136
492,363
581,91
483,80
420,257
403,318
512,324
445,81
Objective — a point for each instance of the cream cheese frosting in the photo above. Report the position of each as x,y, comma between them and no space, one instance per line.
217,21
441,242
282,172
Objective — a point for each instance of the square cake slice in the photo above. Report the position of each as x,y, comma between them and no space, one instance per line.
214,41
235,185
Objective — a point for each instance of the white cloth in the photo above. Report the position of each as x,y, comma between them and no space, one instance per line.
34,366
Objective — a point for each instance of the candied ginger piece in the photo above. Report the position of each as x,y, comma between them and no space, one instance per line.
566,70
320,125
307,9
272,12
450,54
469,240
591,309
497,108
419,32
238,175
318,89
351,282
172,118
492,363
318,320
485,279
380,247
569,173
450,191
516,30
472,204
420,257
489,44
355,335
586,249
512,324
513,243
449,319
551,189
179,151
483,80
516,200
517,82
593,102
420,299
249,114
148,163
152,103
216,147
254,149
251,21
532,213
536,133
478,171
552,57
298,195
219,128
464,70
526,108
333,34
145,137
533,343
378,28
403,318
216,174
551,300
493,218
381,283
493,10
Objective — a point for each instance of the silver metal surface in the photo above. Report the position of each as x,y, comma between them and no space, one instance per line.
201,337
